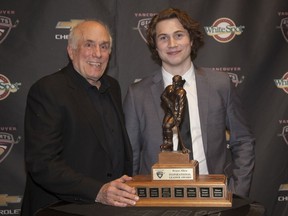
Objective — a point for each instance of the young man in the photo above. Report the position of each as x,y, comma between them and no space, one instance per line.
214,107
76,145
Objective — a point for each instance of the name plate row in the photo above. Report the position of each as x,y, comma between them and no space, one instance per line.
181,192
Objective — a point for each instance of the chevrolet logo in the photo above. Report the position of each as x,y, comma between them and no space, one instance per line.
5,199
68,24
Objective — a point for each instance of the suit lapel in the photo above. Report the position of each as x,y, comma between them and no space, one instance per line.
156,90
203,96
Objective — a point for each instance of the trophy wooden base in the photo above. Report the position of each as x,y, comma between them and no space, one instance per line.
205,191
175,181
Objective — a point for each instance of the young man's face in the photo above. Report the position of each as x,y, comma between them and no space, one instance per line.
173,44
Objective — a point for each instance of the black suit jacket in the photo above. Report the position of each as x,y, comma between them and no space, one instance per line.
66,153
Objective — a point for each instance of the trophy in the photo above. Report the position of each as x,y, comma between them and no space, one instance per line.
175,179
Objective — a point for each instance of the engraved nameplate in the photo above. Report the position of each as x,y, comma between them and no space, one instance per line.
179,192
142,192
173,174
166,192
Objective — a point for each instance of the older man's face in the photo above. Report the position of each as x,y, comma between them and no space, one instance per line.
91,56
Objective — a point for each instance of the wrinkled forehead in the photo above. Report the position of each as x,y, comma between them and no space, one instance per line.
93,31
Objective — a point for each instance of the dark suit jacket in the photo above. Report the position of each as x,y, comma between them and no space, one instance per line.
66,153
219,109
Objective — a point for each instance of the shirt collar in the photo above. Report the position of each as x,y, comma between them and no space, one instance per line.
104,82
189,76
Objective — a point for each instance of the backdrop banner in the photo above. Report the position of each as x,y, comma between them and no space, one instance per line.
246,39
281,205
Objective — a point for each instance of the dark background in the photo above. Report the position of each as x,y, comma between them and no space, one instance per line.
31,46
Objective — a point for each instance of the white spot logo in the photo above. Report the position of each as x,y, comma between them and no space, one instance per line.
223,30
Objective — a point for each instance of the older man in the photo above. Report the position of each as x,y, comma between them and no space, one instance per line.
76,145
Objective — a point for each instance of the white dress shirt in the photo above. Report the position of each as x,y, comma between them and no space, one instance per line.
195,124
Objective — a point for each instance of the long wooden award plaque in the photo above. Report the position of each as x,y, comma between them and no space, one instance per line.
179,184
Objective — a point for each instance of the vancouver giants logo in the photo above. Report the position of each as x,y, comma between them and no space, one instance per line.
284,134
223,30
6,144
282,83
5,27
284,28
235,79
142,27
143,21
6,87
